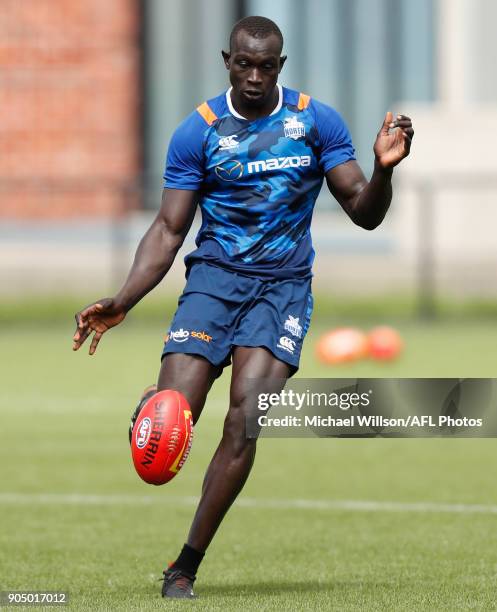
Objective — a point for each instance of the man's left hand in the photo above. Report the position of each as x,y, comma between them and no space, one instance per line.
393,142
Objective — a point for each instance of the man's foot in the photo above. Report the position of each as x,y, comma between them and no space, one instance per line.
147,393
178,584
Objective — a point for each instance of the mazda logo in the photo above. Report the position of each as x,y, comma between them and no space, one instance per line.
230,170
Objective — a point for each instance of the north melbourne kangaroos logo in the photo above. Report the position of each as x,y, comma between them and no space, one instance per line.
293,326
293,128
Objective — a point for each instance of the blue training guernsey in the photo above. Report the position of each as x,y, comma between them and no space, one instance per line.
257,180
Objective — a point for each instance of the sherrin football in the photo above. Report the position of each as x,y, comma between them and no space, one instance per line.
162,437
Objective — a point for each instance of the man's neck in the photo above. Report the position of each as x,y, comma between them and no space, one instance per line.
251,112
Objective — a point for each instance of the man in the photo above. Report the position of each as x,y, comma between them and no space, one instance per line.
254,159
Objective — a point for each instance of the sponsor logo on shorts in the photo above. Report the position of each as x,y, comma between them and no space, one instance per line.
293,326
179,335
143,432
287,344
201,336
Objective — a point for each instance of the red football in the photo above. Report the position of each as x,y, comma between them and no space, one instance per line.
162,437
385,343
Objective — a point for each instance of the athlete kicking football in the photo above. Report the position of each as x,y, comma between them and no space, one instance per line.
254,159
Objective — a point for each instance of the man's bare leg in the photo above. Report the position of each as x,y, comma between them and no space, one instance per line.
234,457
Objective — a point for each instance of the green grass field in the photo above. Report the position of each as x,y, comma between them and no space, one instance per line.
75,516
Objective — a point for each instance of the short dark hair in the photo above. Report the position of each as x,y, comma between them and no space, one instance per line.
258,27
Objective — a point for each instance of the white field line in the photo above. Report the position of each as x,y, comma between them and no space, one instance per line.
88,499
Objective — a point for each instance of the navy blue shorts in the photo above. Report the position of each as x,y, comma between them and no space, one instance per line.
219,309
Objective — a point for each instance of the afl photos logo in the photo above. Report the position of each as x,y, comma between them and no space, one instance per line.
230,170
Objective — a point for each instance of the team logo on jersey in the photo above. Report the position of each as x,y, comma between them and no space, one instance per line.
292,325
228,143
230,170
294,128
286,344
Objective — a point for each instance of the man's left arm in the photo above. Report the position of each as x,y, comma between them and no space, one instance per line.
365,202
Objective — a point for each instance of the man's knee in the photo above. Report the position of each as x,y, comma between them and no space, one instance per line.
249,364
235,429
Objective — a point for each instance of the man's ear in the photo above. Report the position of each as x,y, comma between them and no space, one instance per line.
282,62
226,58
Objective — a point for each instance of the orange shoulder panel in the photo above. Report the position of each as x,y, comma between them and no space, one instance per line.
304,100
207,115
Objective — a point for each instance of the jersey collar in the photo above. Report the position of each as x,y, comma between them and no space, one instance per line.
232,110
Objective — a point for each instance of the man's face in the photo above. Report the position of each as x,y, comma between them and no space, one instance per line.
254,65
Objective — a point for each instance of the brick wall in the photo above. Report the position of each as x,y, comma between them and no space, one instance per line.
69,107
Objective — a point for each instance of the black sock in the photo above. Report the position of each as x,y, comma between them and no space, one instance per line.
189,559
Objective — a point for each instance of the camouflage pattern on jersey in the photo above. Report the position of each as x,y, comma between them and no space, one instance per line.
260,181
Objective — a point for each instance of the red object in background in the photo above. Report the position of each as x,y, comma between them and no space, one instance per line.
341,345
385,343
162,437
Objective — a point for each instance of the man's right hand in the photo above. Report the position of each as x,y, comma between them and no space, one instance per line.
99,318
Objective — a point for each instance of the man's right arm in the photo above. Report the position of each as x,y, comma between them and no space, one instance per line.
154,257
158,247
